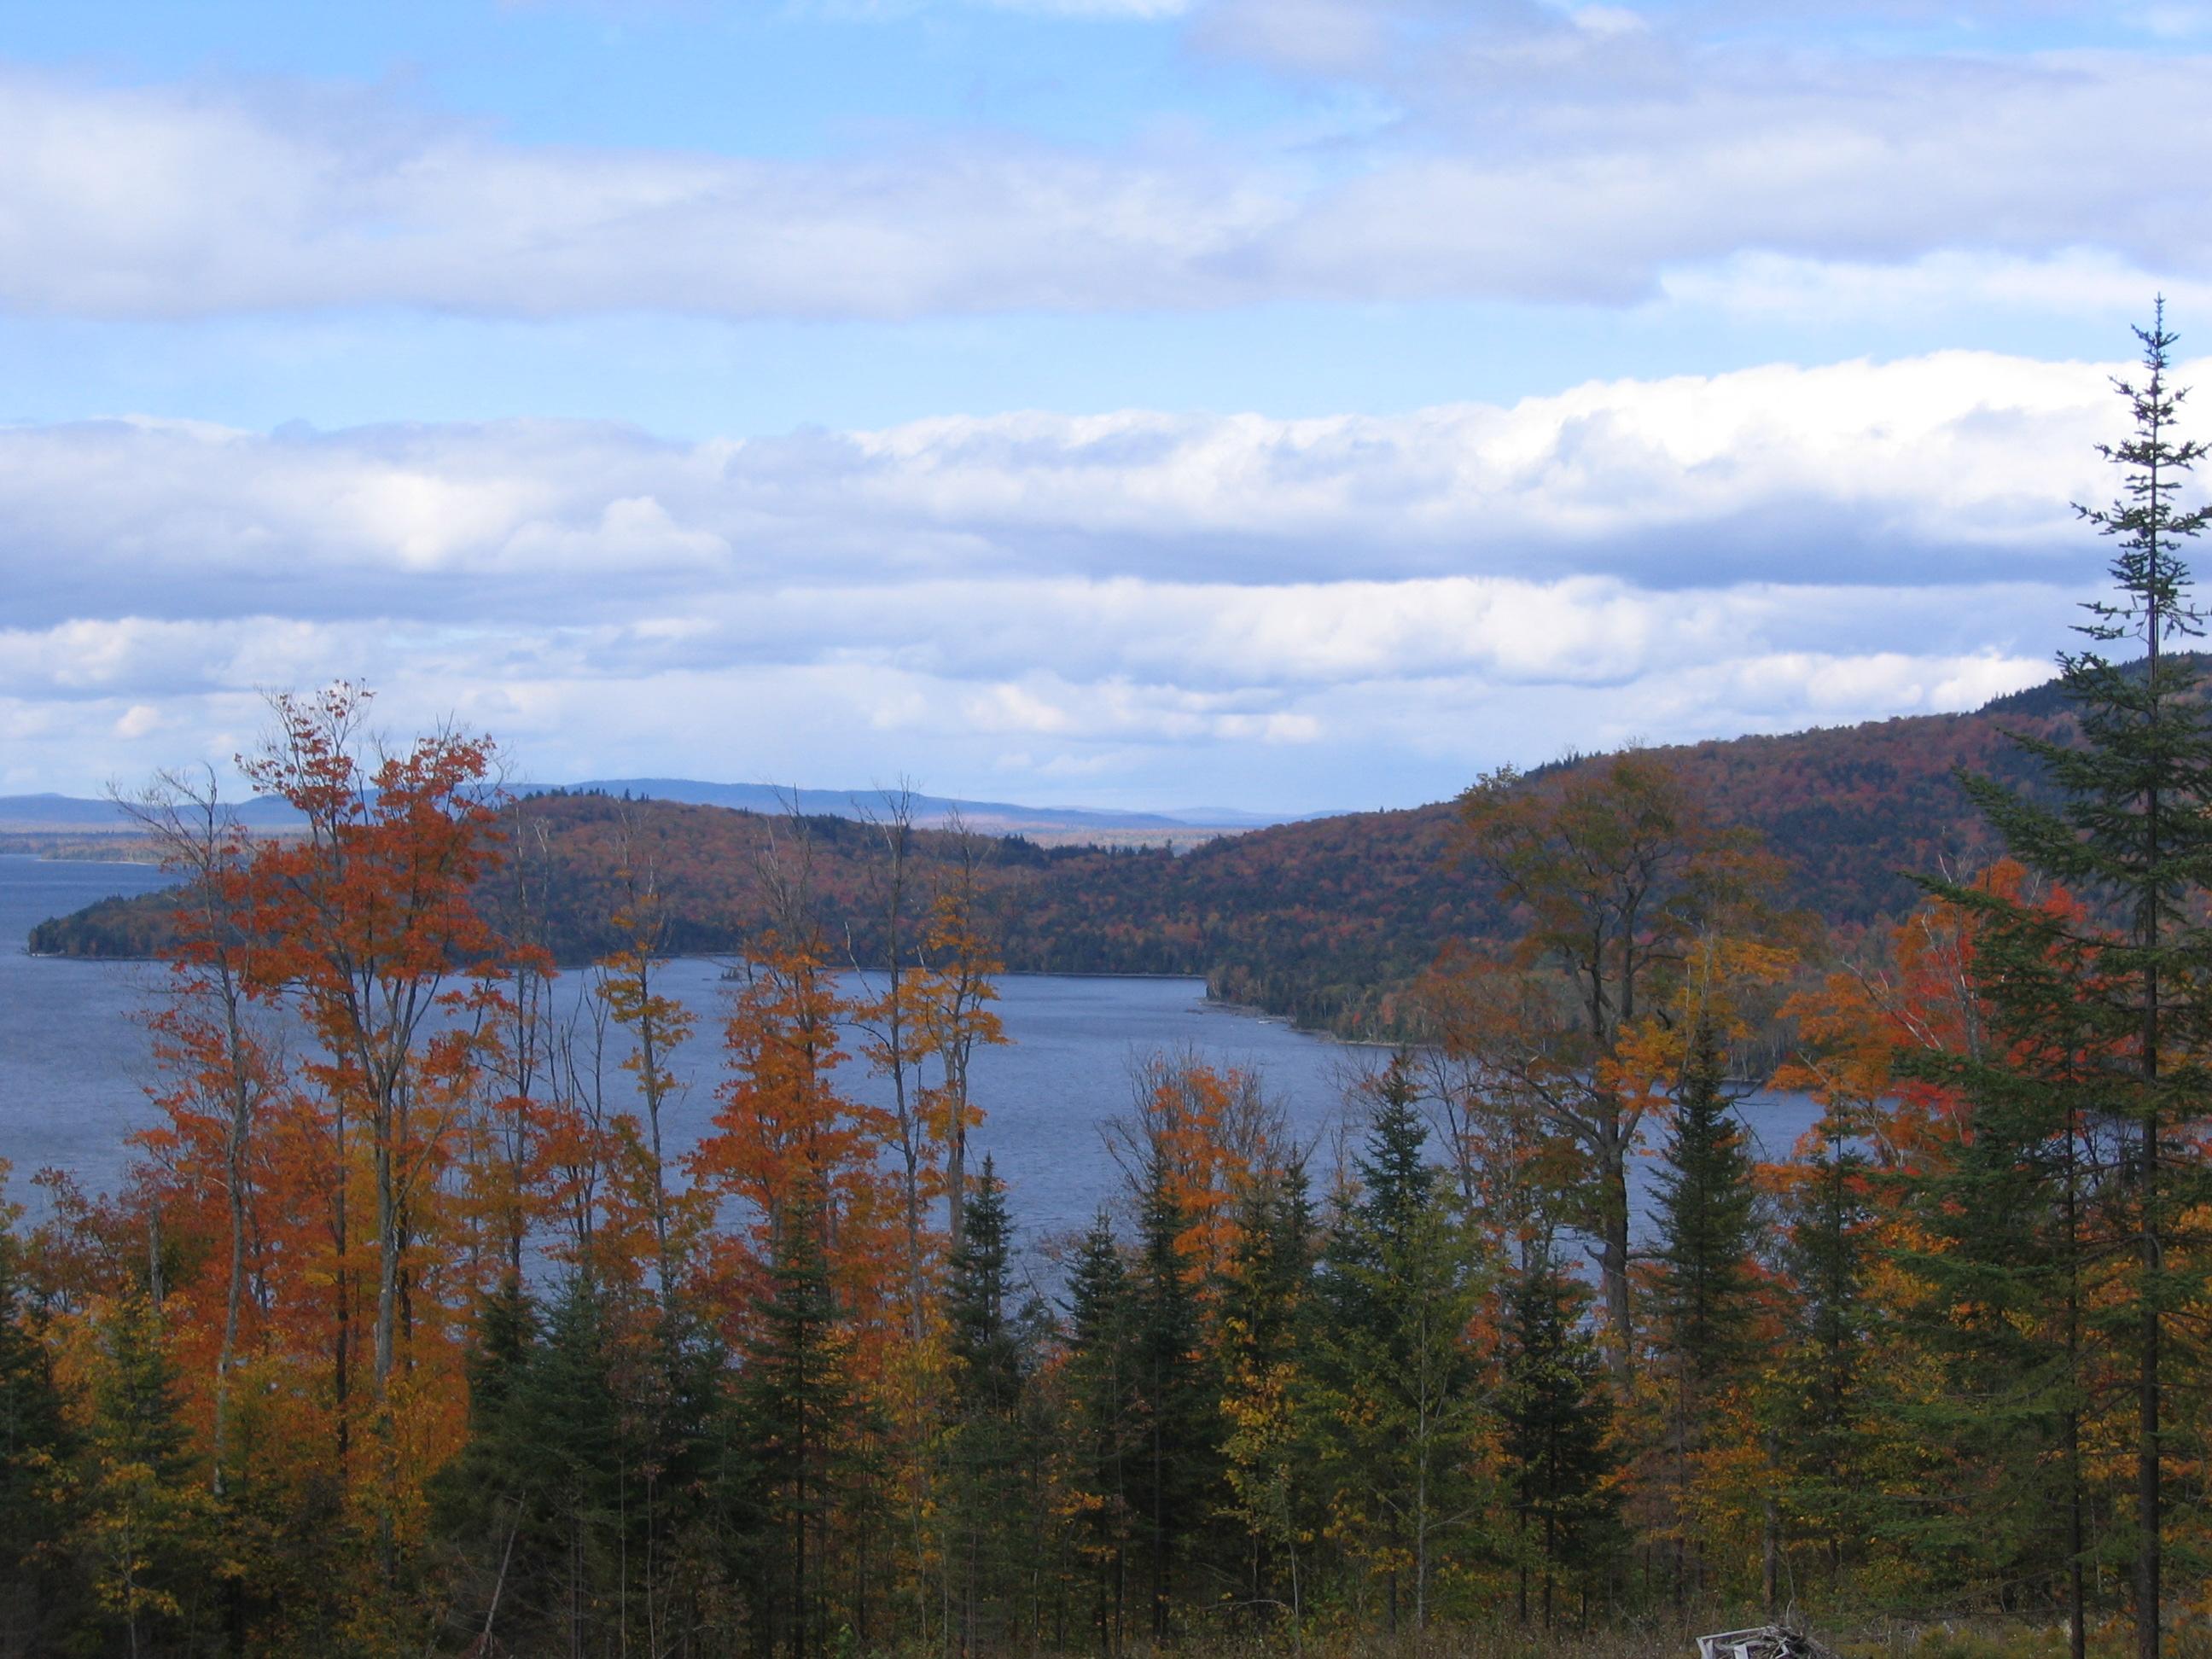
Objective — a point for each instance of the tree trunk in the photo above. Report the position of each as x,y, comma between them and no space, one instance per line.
1613,1258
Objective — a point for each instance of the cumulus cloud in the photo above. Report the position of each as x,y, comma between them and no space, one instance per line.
1856,473
1159,607
1531,154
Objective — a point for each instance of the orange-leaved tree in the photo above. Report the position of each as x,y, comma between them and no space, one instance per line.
221,1070
366,920
785,1141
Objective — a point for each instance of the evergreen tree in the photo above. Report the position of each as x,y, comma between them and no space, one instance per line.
542,1486
1267,1297
985,1337
1556,1417
1175,1476
580,1512
1268,1392
577,1456
1705,1292
1707,1222
35,1445
144,1521
2130,832
993,1525
800,1408
1821,1398
691,1477
1100,1383
2001,1247
483,1502
1399,1290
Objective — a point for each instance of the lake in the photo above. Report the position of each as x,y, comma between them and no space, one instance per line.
74,1060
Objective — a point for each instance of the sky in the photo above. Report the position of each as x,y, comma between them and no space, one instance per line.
1285,404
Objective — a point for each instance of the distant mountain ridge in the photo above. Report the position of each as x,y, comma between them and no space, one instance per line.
81,813
934,810
74,813
1327,921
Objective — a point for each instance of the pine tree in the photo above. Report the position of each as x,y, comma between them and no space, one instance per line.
985,1336
2004,1272
1174,1477
1556,1417
994,1524
1707,1222
1100,1385
1266,1321
35,1445
483,1502
1821,1398
144,1520
800,1406
2131,834
688,1460
1704,1293
1398,1292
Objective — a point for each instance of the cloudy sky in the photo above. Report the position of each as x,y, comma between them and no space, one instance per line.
1280,404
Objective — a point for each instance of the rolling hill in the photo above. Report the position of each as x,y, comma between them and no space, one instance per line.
1323,920
78,814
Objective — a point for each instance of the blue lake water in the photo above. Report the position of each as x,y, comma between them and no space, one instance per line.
74,1060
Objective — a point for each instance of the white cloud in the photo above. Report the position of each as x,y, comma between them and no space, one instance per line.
1548,156
1166,607
1952,467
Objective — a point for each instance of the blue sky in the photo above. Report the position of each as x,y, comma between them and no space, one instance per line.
1288,402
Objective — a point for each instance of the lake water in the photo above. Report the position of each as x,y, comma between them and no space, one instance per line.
74,1061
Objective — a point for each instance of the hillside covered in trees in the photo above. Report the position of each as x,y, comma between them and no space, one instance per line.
1324,921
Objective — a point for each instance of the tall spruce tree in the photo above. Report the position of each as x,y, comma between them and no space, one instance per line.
1707,1221
1266,1353
144,1521
1556,1417
1819,1394
992,1525
2007,1243
1400,1288
484,1501
1704,1294
800,1406
2130,832
1176,1476
35,1443
1100,1381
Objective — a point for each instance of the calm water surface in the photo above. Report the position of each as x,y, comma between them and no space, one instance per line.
74,1061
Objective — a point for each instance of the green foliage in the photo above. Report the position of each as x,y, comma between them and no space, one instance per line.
1823,1400
144,1527
1397,1379
1174,1473
1704,1295
804,1421
1266,1351
994,1500
2107,1009
1100,1388
583,1507
35,1446
1557,1419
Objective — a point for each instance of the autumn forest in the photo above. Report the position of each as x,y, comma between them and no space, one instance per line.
406,1336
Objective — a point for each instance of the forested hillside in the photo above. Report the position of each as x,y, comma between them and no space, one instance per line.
1323,921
